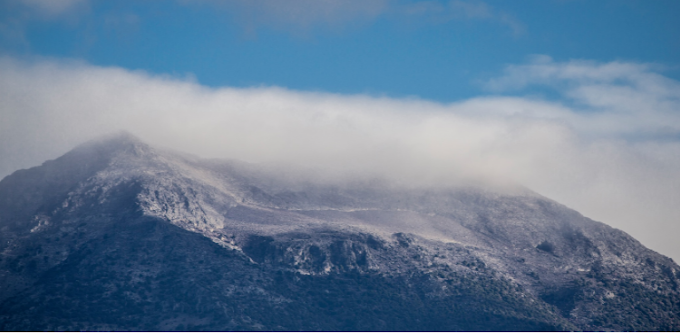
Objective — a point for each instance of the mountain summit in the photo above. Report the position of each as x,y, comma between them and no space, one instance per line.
118,235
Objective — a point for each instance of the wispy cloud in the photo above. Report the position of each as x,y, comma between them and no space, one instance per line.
302,15
579,154
298,16
439,12
16,15
53,8
643,102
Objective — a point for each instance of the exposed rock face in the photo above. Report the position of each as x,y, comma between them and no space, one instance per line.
116,235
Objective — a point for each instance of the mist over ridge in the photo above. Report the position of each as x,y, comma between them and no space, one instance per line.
613,159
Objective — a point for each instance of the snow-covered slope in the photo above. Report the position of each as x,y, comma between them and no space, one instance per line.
566,271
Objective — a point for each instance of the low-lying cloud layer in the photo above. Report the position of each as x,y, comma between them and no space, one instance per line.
609,147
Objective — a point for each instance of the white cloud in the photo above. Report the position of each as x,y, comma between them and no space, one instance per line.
582,155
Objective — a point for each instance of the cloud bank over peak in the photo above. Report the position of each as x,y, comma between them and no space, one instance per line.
606,158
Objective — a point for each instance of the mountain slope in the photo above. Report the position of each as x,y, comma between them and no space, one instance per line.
119,235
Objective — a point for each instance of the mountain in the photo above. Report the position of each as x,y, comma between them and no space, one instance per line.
117,235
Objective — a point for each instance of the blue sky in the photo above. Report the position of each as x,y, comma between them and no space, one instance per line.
576,100
438,50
